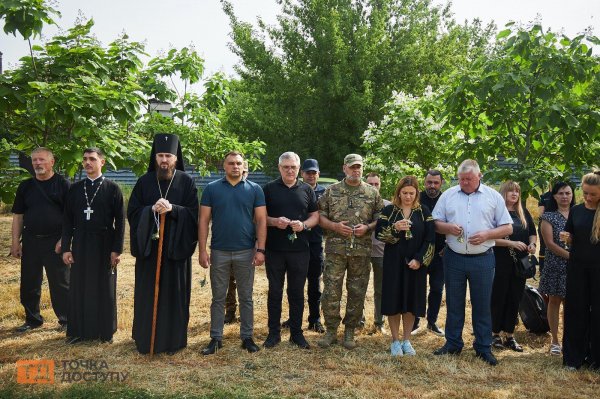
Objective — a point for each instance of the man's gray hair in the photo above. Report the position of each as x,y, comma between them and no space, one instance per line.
289,155
468,166
43,149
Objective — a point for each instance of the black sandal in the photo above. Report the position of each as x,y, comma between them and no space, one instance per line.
512,344
497,342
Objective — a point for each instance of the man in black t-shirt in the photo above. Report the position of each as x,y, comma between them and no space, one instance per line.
291,213
37,220
429,197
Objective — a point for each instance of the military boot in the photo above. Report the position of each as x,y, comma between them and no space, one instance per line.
328,339
349,342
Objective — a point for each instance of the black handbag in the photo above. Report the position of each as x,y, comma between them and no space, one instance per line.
525,266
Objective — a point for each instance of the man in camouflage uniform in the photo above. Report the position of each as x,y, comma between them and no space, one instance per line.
348,212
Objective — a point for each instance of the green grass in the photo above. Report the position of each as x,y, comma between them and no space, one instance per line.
101,391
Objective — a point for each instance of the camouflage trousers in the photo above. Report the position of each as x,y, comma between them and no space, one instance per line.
358,269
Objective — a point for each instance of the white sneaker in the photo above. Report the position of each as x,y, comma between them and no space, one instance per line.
396,348
408,349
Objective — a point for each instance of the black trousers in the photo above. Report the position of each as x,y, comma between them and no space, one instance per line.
507,292
315,271
581,337
295,266
37,254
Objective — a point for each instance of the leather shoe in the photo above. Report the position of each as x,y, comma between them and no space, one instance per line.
316,327
444,350
73,340
487,357
300,341
272,340
213,347
25,327
249,345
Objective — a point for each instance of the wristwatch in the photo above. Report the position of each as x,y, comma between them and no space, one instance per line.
261,250
306,227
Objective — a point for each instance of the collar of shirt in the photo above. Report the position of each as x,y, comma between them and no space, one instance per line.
225,181
94,180
296,184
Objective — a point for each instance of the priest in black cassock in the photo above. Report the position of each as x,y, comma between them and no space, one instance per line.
165,188
92,243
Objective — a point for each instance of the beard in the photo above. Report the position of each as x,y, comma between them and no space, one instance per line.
432,192
165,174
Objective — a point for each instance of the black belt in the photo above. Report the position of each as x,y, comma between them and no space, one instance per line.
488,252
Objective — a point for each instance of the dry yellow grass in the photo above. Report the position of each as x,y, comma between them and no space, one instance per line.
286,371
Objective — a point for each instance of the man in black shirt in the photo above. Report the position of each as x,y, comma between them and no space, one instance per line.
429,197
291,213
37,220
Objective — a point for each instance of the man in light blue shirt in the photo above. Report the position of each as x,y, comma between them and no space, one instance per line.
471,215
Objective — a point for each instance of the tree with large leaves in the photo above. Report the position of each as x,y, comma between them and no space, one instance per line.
533,103
313,82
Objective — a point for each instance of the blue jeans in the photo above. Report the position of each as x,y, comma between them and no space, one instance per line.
478,271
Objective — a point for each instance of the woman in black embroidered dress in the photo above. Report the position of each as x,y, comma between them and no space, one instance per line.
408,231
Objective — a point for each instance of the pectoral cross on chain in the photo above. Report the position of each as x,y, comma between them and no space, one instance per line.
88,213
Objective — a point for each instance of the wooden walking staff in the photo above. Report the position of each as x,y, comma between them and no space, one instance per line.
157,281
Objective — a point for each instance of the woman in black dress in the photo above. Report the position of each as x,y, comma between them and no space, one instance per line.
581,340
508,286
408,231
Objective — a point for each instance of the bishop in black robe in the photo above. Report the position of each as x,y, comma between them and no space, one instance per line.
92,293
179,243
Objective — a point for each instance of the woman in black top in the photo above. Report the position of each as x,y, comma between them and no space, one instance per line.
581,340
408,232
508,286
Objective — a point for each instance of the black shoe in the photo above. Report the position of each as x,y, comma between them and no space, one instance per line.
73,340
25,327
285,324
497,342
435,329
249,345
512,344
487,357
213,347
444,350
300,341
272,340
229,318
317,327
62,328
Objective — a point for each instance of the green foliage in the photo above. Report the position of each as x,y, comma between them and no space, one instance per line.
26,16
410,139
313,82
82,94
204,141
533,101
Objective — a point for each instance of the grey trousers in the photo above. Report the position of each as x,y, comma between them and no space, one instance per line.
223,263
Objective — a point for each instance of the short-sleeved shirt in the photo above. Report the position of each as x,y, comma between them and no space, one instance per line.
583,252
356,205
295,203
41,215
232,213
484,209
